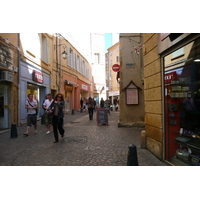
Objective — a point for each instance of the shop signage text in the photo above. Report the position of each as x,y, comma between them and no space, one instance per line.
37,76
69,87
85,87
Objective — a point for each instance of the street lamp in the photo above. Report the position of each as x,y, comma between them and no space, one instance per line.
64,53
64,56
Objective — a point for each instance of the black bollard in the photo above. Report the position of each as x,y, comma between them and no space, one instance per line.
13,133
72,111
132,159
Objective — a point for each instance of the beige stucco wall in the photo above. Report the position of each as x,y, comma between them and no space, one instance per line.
13,106
131,115
153,94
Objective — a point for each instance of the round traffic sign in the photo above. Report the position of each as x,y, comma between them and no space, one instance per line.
116,67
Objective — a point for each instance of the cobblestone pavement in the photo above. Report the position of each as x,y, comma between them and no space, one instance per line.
84,144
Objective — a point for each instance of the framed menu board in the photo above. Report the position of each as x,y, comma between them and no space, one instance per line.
132,94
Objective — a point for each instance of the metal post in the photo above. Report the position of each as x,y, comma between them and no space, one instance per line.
13,133
132,159
143,140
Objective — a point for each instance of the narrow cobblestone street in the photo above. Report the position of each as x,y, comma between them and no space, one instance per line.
84,144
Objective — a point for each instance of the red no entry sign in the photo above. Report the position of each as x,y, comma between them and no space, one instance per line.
116,67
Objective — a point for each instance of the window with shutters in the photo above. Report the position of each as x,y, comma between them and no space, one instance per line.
45,49
71,58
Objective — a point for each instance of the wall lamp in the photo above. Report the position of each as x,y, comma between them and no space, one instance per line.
64,53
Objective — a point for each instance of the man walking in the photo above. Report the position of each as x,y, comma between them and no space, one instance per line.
47,114
31,106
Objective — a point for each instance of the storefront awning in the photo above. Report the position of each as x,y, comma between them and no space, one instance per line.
71,83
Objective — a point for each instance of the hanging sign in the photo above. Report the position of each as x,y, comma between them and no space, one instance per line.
116,67
37,76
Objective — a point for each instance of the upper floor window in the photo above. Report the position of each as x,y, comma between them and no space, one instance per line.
96,58
78,63
45,49
71,58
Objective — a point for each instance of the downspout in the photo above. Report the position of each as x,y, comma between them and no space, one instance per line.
56,61
19,79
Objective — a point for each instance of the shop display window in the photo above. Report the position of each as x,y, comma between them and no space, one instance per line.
33,89
182,104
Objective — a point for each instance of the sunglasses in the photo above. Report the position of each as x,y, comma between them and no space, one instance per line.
59,97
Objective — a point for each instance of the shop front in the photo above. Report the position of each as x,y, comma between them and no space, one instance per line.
181,89
6,88
32,81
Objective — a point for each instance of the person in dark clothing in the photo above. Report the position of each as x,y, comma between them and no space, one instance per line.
90,108
81,103
95,103
102,103
56,108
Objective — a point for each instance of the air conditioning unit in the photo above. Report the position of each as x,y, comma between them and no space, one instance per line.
6,76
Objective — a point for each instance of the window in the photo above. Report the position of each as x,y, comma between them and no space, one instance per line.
178,53
96,58
110,62
84,70
117,59
78,63
45,49
182,105
71,58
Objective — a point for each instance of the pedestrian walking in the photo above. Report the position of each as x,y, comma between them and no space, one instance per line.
31,106
115,103
95,103
47,115
57,109
107,105
102,103
81,104
90,108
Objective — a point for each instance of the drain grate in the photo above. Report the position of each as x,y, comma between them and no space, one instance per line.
76,139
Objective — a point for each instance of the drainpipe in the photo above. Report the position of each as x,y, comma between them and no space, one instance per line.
57,61
19,74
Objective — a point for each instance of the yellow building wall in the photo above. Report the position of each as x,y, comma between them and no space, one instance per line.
153,94
14,106
131,115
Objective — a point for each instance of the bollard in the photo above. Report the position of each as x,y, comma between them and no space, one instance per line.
143,140
132,159
72,111
13,133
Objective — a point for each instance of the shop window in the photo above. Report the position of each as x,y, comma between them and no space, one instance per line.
178,53
182,106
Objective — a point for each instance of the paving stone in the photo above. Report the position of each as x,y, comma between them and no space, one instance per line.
84,144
